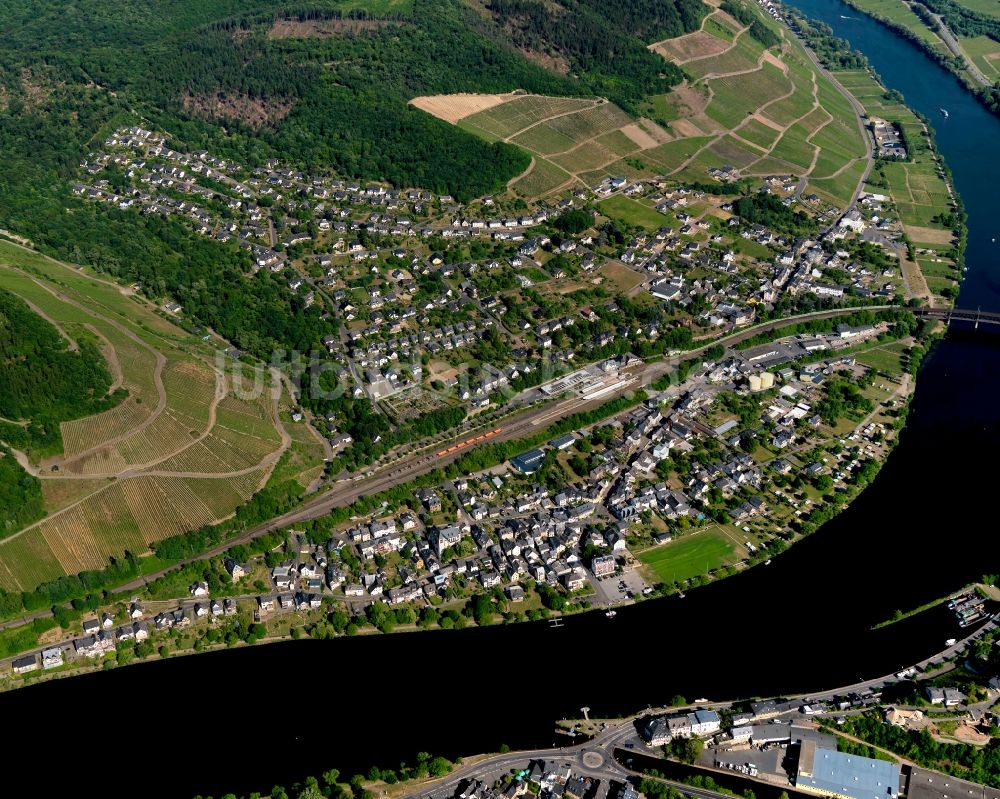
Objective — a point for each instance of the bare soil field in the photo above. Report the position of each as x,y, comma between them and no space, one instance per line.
691,46
453,107
640,136
929,235
619,274
970,735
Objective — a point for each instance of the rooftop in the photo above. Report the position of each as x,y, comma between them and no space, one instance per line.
833,773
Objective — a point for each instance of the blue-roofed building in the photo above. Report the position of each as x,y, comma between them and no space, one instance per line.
563,442
704,722
830,773
528,462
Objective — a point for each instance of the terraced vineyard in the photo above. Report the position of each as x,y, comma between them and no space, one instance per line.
918,189
185,448
762,111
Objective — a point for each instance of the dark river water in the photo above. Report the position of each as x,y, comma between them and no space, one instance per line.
246,719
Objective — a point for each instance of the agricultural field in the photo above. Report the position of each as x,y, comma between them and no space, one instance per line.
759,111
184,448
917,186
985,53
691,555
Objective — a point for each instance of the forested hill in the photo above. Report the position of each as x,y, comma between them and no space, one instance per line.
604,39
39,374
215,75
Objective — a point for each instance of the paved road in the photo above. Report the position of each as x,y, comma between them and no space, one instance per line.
860,113
595,758
531,421
949,39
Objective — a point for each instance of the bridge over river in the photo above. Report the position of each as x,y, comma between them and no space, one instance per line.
948,315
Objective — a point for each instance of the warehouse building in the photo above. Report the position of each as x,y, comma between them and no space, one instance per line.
827,772
528,462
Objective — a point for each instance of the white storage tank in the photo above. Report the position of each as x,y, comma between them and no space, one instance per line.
766,380
755,382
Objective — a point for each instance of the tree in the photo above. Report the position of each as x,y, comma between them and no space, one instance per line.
330,777
687,750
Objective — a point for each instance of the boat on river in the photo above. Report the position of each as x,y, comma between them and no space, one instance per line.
944,112
611,614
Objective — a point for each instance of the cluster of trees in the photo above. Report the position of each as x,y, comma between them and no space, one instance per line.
39,375
843,399
604,40
833,52
904,320
371,431
82,590
21,500
767,209
746,408
975,763
963,21
44,381
330,786
758,29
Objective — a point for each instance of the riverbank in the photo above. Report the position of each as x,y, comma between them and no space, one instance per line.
939,45
600,739
796,510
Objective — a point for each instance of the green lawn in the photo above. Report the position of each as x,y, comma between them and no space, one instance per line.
633,213
690,556
884,359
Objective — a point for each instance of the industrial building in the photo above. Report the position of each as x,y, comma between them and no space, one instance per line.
827,772
528,462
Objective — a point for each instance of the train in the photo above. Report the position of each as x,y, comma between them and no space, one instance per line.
469,442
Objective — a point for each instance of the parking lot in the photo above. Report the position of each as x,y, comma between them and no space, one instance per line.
619,588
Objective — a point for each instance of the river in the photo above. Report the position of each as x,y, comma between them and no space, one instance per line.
969,138
245,719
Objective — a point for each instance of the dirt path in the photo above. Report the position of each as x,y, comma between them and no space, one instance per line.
161,362
681,62
746,121
72,345
914,282
516,178
111,356
16,239
596,104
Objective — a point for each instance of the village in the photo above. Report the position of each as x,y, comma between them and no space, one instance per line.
418,290
737,459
